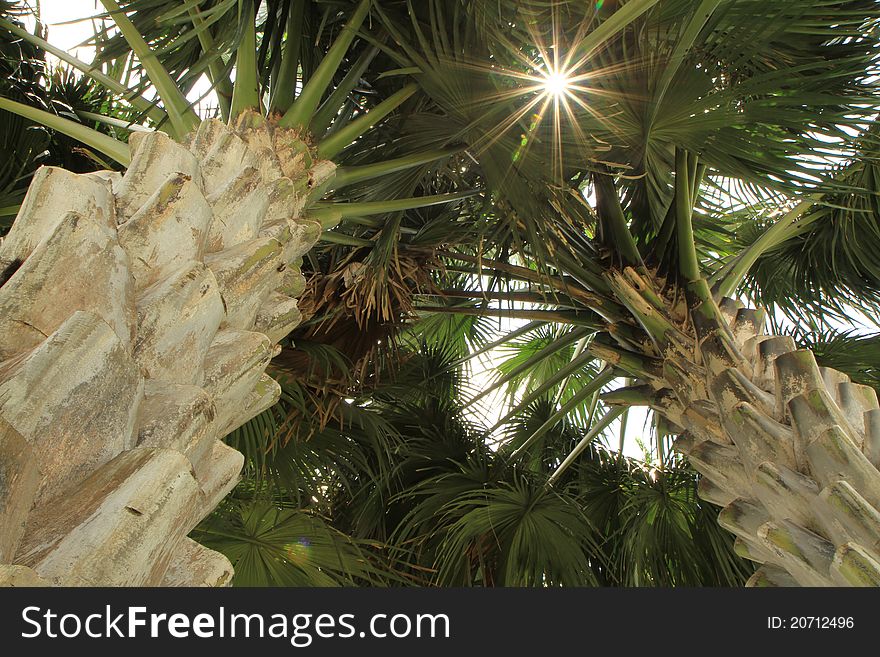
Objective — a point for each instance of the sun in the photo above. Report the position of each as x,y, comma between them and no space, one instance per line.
550,85
556,83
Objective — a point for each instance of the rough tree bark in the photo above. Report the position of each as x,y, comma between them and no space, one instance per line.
789,449
136,324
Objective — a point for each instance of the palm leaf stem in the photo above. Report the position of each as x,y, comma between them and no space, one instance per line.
333,144
601,305
565,409
182,116
303,108
102,143
283,90
730,277
518,296
245,90
594,431
543,315
330,107
219,77
616,232
356,174
559,343
576,364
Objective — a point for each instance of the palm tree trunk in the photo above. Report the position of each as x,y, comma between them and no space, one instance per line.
790,450
138,318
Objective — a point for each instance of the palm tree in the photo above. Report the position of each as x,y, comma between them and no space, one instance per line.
139,311
670,113
676,116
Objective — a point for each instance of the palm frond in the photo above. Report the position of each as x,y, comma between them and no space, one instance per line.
270,545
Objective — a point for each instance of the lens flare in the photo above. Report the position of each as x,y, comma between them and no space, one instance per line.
549,88
556,83
298,553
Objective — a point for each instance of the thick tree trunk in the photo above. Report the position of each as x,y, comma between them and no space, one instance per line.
138,318
789,449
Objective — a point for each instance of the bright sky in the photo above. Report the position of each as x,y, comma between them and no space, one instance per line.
70,25
68,37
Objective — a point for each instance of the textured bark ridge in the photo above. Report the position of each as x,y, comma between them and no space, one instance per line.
790,450
138,317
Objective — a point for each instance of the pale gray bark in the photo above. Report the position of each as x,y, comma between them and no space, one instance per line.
789,449
134,334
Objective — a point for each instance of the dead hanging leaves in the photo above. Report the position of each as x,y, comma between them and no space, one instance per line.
356,308
369,293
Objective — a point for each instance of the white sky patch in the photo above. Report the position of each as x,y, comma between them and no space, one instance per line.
57,14
71,23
